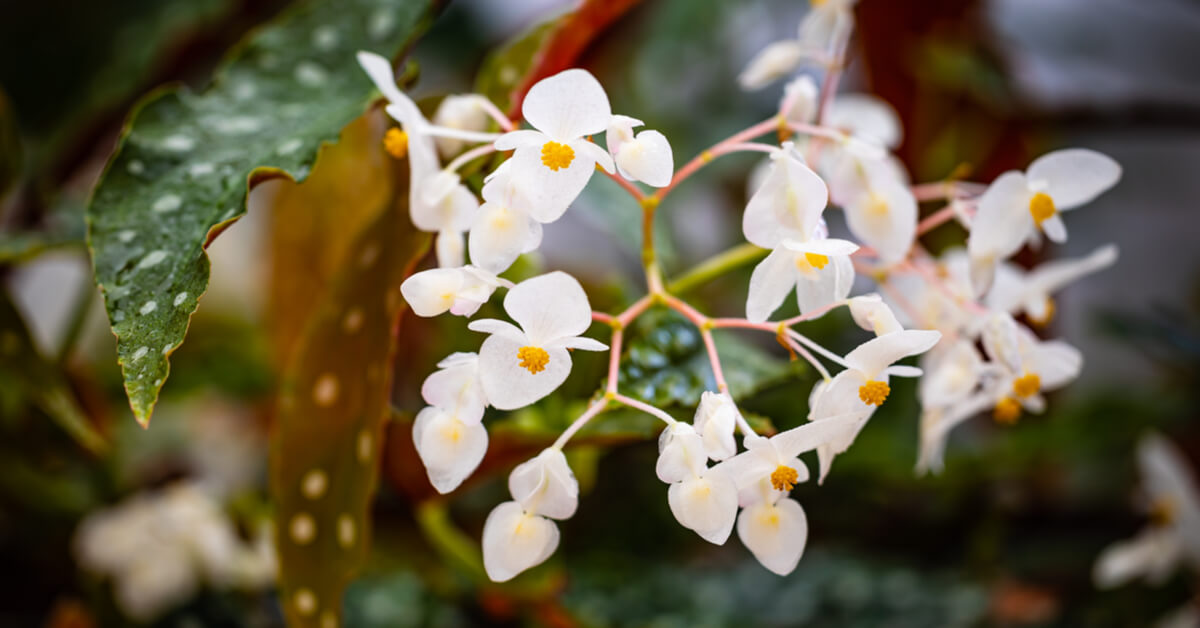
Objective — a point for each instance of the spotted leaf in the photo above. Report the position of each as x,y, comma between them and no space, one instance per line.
185,163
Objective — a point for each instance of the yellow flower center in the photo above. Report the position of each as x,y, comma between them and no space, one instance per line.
533,359
1162,512
1041,207
557,156
878,207
395,142
1007,411
784,478
817,260
1027,385
874,393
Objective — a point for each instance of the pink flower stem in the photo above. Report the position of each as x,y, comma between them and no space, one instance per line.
696,318
644,407
715,360
614,360
633,190
601,317
697,162
808,357
465,158
595,408
494,113
815,314
936,219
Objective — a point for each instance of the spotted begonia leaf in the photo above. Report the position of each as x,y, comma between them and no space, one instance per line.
185,162
333,401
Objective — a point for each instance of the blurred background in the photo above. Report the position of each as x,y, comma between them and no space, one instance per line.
1006,535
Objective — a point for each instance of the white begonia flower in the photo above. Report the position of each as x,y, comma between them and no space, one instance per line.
828,22
460,291
866,116
645,157
950,394
772,526
1016,291
1031,366
1173,535
555,161
872,314
519,365
703,500
777,60
1017,204
449,436
785,215
800,100
883,213
438,201
715,421
159,547
519,534
503,228
862,387
460,111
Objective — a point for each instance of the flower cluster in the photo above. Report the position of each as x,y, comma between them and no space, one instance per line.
830,149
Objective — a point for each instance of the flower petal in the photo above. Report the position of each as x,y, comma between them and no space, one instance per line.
504,329
708,505
500,234
568,105
519,139
580,342
1074,176
456,389
450,449
647,159
871,357
380,72
775,534
681,454
549,191
508,385
872,314
715,422
549,307
514,541
825,286
885,218
1003,220
772,280
788,205
432,292
775,61
866,116
545,485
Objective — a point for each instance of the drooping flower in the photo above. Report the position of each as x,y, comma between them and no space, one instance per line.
460,291
785,215
519,365
504,228
520,534
827,22
773,526
555,161
644,157
872,314
449,436
438,201
1173,535
715,422
702,499
1030,365
951,391
1017,204
463,112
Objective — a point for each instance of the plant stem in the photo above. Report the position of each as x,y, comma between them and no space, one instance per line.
716,266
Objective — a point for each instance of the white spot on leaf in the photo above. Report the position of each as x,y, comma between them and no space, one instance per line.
135,167
167,203
325,38
346,531
180,298
149,306
153,258
140,353
310,74
325,390
314,483
305,601
289,146
302,528
179,143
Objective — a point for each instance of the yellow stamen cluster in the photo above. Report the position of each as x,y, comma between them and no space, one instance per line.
817,260
874,393
533,359
784,478
557,156
1007,411
395,142
1041,207
1027,385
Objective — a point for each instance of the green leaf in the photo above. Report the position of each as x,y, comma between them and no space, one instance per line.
41,382
506,67
185,162
666,365
335,389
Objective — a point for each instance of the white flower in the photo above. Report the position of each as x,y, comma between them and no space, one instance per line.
555,161
503,228
828,22
515,540
460,111
519,534
1017,204
518,366
1016,291
715,421
785,215
1174,535
449,436
460,291
872,314
772,525
645,157
860,389
703,500
800,100
949,393
438,201
777,60
1031,365
866,116
882,212
159,547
